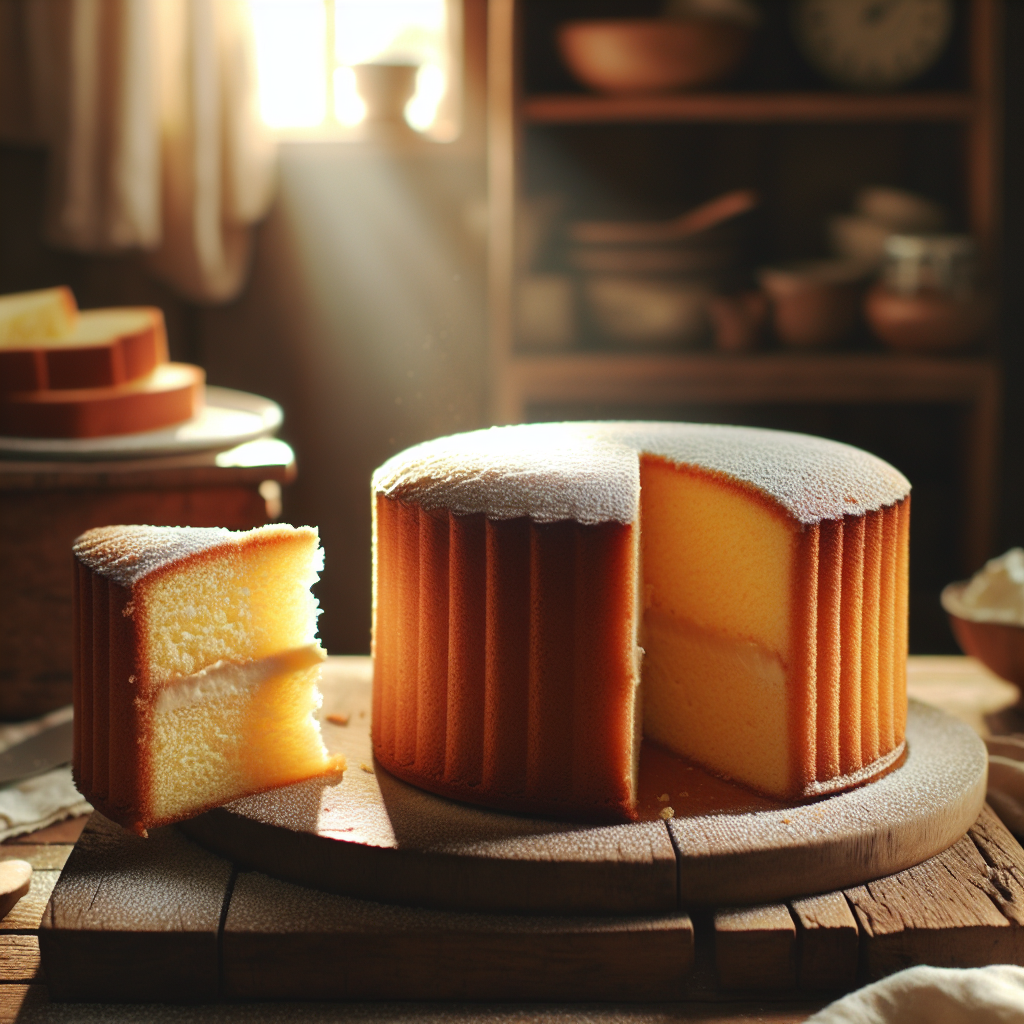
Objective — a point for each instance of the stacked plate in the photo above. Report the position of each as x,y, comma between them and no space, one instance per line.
648,283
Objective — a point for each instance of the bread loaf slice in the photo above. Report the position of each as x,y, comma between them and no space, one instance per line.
28,318
101,348
171,394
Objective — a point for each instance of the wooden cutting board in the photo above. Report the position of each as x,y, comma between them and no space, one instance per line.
374,837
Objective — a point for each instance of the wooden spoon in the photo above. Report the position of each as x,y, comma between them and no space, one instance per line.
15,878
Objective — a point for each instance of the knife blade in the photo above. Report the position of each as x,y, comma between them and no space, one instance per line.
37,754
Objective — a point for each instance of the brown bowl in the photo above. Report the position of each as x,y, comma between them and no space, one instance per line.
814,303
925,321
997,645
652,55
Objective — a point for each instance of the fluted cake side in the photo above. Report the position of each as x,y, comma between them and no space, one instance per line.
508,647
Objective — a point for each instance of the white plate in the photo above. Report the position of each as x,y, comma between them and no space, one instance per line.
230,418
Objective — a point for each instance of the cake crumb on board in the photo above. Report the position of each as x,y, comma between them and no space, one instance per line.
339,719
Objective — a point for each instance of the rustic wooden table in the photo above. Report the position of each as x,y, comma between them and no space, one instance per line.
980,881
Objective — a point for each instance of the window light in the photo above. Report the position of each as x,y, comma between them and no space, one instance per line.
305,51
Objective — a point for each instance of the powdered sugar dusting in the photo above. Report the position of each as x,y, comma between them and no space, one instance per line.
590,471
127,554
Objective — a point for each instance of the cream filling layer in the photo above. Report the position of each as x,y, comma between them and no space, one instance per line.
224,678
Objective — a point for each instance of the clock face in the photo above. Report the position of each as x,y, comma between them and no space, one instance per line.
872,44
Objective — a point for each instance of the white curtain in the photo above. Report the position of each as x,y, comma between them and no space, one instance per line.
149,110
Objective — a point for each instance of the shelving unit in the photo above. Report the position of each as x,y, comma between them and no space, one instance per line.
749,106
521,379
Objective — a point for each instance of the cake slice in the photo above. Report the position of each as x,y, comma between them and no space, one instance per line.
103,347
31,317
196,668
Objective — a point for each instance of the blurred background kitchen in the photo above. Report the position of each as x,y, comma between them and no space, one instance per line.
442,214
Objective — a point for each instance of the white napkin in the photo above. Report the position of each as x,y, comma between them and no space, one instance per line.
43,799
934,995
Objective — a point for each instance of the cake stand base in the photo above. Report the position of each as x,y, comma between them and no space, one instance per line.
374,837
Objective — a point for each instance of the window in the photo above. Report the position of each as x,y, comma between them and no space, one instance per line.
306,51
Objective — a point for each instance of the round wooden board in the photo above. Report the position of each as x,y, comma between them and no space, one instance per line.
375,837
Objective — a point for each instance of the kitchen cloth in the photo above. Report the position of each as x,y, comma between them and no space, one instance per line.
41,800
934,995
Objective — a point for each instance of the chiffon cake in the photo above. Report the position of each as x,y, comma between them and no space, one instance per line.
196,668
546,595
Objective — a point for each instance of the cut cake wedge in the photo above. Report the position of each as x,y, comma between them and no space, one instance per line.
196,668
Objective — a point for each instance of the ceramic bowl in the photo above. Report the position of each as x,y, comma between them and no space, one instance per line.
856,237
899,210
925,321
739,320
694,261
814,304
652,55
998,646
648,312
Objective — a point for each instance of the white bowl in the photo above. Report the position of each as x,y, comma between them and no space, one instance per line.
648,311
899,210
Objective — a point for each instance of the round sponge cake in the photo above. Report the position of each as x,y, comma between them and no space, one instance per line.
545,594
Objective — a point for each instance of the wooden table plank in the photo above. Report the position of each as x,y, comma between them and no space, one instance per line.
827,943
283,941
29,1003
27,913
17,1001
964,906
19,958
42,857
938,913
135,919
962,687
67,831
755,947
1004,859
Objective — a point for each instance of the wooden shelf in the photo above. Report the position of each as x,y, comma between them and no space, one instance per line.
770,377
781,107
837,378
521,382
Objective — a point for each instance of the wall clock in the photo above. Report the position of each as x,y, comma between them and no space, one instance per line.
872,44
